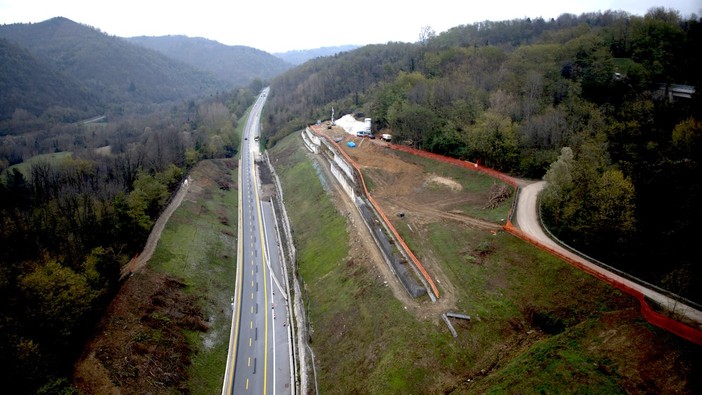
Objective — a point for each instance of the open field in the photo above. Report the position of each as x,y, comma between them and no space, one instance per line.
25,167
168,328
537,323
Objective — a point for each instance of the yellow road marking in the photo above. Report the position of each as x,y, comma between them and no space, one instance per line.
239,280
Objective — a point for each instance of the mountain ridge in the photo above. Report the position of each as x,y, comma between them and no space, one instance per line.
118,70
300,56
237,64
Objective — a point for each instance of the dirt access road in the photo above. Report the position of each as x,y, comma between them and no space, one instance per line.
142,259
528,222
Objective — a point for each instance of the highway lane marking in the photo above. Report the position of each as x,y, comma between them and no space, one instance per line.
265,291
251,324
247,383
249,361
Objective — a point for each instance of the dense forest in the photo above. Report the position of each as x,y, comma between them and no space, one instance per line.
69,223
582,100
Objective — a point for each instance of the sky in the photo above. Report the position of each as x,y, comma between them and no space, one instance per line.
283,25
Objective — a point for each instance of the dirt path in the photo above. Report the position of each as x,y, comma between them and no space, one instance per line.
141,260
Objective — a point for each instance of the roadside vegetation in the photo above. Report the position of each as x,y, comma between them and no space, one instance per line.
530,312
198,246
167,329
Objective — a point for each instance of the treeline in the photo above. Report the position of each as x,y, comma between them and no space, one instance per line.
68,225
512,94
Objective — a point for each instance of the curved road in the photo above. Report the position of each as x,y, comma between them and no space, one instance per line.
259,358
528,222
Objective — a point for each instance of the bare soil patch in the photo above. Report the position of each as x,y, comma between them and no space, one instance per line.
139,346
407,190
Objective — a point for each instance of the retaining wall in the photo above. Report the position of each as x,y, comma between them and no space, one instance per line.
350,177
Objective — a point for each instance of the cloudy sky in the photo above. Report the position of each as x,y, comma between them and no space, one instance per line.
282,25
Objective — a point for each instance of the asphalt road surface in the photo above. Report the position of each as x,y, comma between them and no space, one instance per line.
259,350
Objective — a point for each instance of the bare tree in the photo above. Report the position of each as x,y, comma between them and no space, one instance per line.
426,33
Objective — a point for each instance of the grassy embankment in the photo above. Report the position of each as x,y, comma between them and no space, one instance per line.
532,314
199,246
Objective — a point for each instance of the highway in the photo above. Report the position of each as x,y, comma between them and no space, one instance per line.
259,347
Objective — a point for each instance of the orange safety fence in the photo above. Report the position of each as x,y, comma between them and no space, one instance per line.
414,259
671,325
460,163
457,162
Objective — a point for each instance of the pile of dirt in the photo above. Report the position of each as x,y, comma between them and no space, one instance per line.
139,346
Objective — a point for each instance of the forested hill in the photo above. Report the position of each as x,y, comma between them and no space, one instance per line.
588,90
300,56
37,87
108,65
239,65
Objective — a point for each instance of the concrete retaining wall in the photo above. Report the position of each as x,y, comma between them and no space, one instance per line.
396,257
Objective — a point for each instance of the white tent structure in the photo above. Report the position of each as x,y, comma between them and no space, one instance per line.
351,125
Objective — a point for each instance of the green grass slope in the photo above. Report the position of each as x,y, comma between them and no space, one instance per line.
533,315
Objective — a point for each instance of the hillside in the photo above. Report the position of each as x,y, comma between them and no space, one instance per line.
577,94
537,324
300,56
34,86
238,65
120,71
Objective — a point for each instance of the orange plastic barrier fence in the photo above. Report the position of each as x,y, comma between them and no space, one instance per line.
457,162
414,259
671,325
